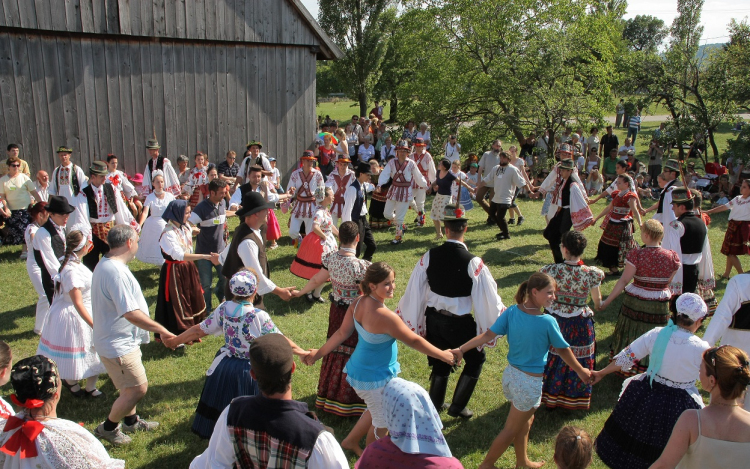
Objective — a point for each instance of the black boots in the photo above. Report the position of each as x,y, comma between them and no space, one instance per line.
464,390
438,386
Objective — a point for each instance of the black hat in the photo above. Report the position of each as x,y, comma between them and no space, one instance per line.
454,212
271,356
253,202
567,164
59,205
363,168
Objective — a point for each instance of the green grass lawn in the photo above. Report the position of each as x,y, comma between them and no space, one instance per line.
343,110
176,378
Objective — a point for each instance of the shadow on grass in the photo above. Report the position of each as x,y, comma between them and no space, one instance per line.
10,322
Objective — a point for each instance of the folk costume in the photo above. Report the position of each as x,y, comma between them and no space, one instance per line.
148,244
120,181
271,231
445,286
197,185
649,405
663,213
562,387
250,160
248,249
730,324
340,184
426,166
335,395
104,208
404,176
737,237
35,275
68,181
305,186
49,244
160,163
568,206
228,377
377,218
617,239
307,261
180,303
355,209
688,237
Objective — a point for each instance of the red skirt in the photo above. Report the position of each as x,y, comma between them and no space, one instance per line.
736,237
307,261
273,230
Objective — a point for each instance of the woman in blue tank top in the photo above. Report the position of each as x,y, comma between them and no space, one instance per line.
375,359
530,334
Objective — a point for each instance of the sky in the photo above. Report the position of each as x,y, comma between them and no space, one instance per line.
714,18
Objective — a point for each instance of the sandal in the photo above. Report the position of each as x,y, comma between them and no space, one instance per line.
90,394
80,393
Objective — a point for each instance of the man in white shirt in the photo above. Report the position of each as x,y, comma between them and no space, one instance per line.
68,180
355,209
270,429
504,178
489,160
622,153
452,149
426,166
49,242
248,249
42,185
255,157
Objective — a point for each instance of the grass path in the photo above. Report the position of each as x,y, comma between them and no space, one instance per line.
176,378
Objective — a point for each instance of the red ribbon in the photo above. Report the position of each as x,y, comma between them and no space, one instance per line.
28,403
115,180
22,441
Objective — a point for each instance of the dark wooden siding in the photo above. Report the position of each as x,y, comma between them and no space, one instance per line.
101,95
267,21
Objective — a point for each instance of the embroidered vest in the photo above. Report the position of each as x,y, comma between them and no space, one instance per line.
109,195
399,179
159,164
74,182
447,273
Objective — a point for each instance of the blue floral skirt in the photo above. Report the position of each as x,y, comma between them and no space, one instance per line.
466,201
230,379
562,387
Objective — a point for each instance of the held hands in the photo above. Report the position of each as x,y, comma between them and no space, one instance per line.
586,376
169,340
596,376
449,357
311,357
458,355
215,258
287,293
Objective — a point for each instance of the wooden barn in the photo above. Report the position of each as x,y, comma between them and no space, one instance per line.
208,75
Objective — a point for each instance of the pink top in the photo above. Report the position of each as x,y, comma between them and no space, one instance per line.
384,454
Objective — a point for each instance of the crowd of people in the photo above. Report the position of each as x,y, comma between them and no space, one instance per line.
81,230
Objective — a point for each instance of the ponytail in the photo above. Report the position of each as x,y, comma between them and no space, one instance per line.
537,281
72,241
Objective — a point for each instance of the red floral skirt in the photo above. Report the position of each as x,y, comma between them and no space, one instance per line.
736,238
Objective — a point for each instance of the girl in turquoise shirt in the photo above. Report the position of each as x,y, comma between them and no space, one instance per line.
530,334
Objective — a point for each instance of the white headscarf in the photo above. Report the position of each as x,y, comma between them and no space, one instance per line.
413,423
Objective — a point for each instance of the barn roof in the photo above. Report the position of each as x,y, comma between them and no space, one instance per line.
272,22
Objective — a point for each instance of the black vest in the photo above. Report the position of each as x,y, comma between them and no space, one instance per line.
448,273
58,247
671,183
159,165
74,182
359,201
109,194
695,233
286,421
233,263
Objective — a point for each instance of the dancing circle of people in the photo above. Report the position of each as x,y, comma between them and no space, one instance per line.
92,317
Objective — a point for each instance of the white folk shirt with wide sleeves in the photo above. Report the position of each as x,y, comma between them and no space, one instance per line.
737,292
326,454
248,252
484,299
350,196
426,164
411,173
43,243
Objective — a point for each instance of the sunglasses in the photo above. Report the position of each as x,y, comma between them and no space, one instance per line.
15,166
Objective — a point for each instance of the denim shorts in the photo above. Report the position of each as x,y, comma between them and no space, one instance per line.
522,390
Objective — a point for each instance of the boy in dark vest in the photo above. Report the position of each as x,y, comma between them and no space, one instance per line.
249,250
448,283
49,241
271,429
355,209
692,232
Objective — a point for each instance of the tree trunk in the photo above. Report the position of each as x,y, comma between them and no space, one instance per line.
362,98
714,148
393,117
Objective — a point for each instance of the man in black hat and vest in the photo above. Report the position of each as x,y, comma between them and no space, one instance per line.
68,179
448,283
49,241
692,232
355,209
253,157
270,429
102,207
160,163
248,250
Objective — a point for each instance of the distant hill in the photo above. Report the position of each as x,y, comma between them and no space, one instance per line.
705,50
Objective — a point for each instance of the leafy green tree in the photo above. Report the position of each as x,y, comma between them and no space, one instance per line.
644,33
359,28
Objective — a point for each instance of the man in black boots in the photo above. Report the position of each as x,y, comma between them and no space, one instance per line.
445,285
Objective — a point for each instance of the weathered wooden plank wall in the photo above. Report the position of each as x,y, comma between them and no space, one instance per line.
102,95
270,21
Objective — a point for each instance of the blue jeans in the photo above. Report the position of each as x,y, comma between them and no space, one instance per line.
205,272
633,132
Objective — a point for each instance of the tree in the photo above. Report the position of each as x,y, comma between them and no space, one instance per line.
734,59
500,67
359,28
644,33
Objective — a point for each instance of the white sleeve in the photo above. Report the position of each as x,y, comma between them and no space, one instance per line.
416,175
248,252
266,164
411,306
170,244
128,188
643,345
43,244
236,199
194,219
730,303
243,168
327,454
431,171
488,306
271,194
385,175
220,451
350,196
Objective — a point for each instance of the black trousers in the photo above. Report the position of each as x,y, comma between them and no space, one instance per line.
560,224
499,211
689,278
449,332
366,239
92,258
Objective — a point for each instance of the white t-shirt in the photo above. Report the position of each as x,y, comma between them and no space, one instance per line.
115,292
425,136
504,180
452,152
